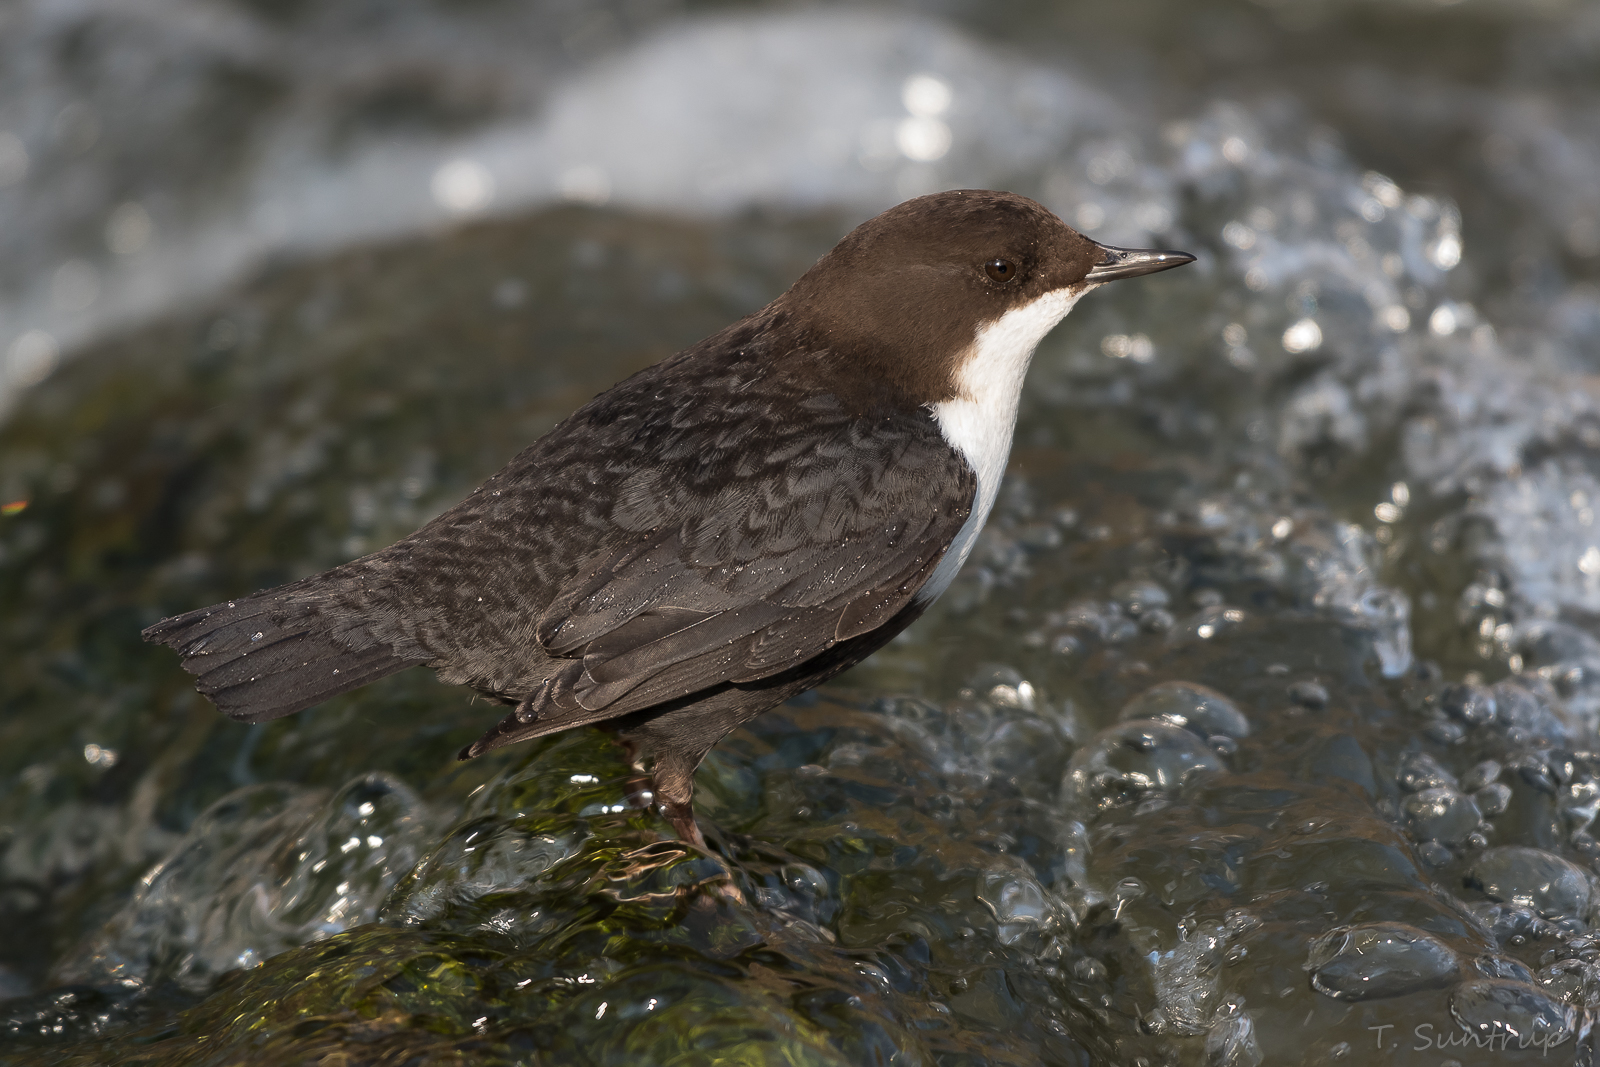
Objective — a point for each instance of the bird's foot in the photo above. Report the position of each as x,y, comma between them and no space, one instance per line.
681,816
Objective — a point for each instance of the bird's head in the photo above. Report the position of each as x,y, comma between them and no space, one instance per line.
907,295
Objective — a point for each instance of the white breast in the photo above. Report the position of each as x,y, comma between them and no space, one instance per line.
978,423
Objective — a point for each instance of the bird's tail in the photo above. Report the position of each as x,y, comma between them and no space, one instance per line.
272,654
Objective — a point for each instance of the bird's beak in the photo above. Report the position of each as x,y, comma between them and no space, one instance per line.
1132,262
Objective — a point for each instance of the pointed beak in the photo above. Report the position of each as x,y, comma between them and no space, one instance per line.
1132,262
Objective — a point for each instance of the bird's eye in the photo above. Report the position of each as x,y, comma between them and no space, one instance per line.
1001,270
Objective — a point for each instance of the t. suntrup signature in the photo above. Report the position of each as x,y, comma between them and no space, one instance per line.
1494,1038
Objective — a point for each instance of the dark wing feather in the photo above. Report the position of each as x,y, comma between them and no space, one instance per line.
677,614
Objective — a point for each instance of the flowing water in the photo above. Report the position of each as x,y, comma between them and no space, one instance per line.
1261,726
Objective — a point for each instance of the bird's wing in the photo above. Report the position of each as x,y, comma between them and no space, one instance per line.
810,548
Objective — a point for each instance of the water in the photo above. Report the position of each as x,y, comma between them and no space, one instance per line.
1259,728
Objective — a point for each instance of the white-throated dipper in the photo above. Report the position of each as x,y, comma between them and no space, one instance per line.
719,532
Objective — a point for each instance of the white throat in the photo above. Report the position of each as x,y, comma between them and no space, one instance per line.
979,422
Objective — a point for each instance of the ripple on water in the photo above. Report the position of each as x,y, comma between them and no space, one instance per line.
265,868
1377,960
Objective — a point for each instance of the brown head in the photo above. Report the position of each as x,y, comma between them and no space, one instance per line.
903,296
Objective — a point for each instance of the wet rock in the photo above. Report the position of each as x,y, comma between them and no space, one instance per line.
1441,814
1519,709
1379,960
1420,771
1492,799
1311,695
1533,878
1518,1014
1481,775
1341,756
1473,705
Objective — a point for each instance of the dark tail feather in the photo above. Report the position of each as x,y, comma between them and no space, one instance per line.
269,655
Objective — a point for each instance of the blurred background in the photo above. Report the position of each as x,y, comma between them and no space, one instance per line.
1263,715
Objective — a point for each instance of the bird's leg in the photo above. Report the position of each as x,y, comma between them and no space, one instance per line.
674,789
671,782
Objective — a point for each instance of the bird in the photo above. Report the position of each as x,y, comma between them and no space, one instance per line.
718,533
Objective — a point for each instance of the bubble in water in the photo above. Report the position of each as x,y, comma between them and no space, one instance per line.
1137,760
1231,1042
1516,1014
1017,901
1195,707
1025,750
1379,960
1532,878
1186,977
805,879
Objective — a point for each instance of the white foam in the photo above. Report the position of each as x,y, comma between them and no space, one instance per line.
706,118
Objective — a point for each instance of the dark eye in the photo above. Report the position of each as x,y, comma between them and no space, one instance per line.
1001,270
